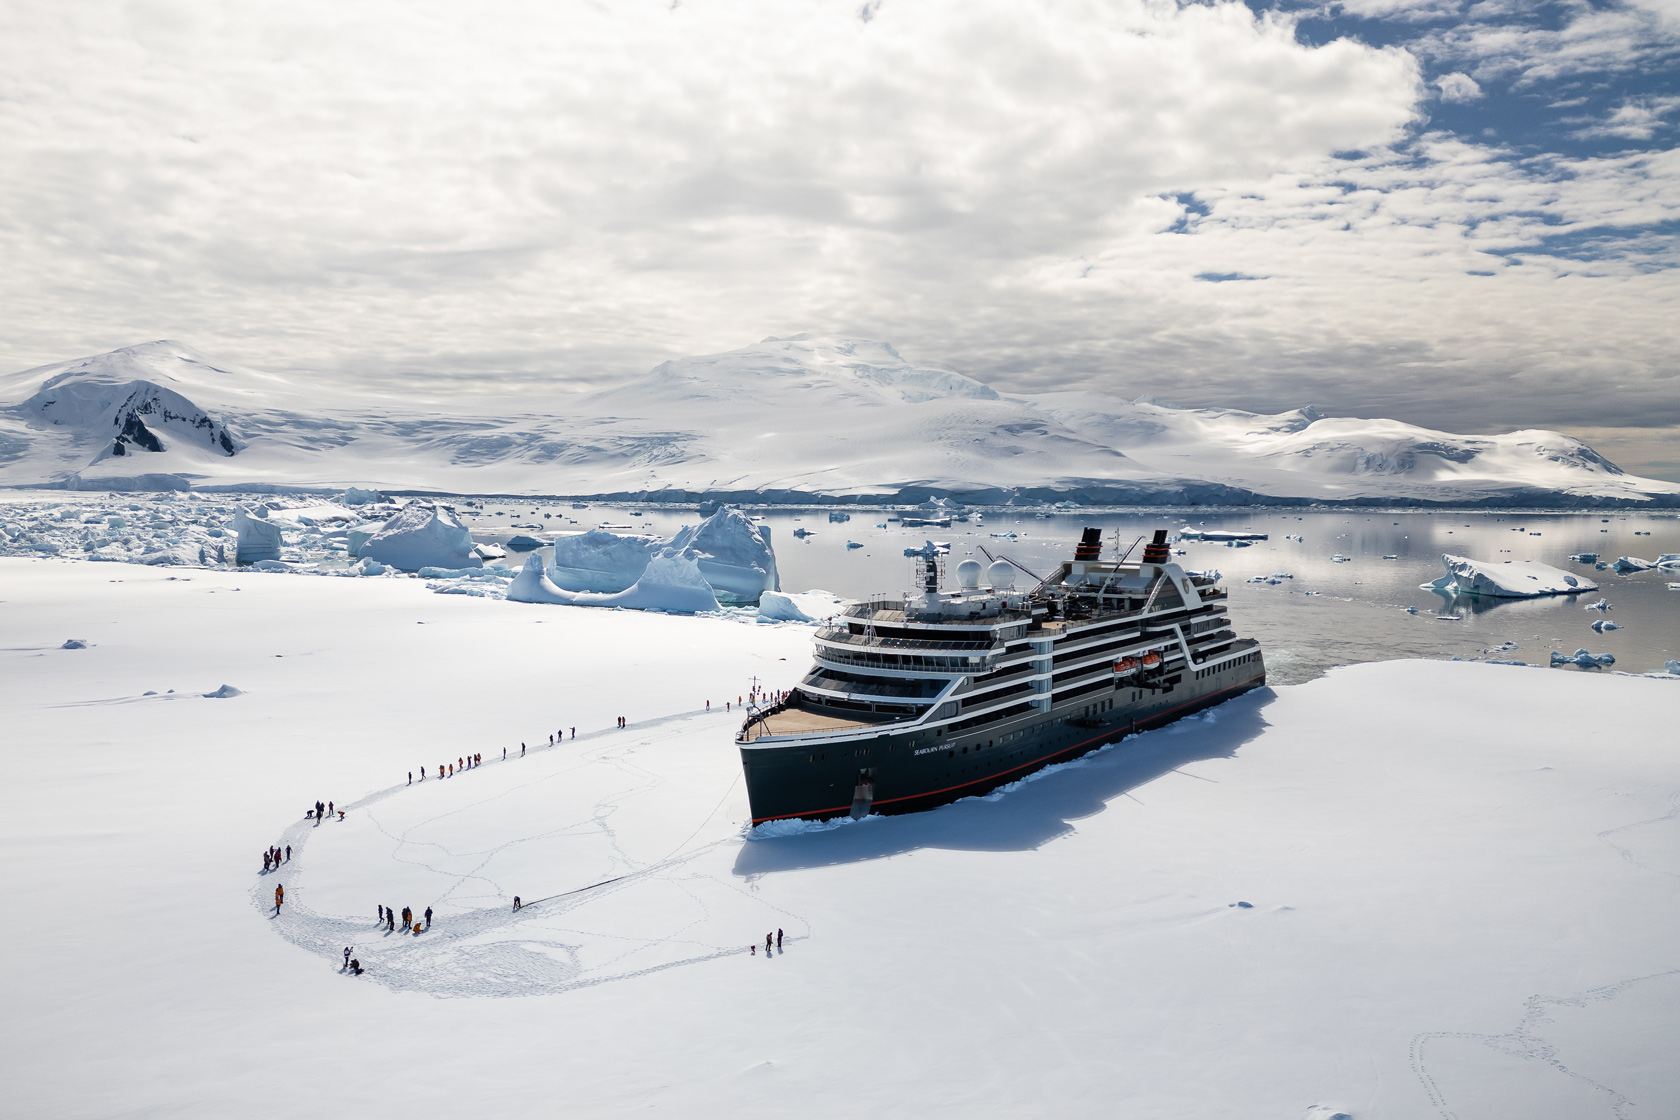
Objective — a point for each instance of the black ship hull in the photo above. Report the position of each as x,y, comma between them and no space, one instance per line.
908,769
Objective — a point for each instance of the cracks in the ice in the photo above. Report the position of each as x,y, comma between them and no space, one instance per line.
471,953
1525,1042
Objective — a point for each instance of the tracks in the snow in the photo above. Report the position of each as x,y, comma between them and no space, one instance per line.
572,938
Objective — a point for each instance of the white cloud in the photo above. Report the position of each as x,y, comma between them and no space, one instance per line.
536,193
1638,118
1458,87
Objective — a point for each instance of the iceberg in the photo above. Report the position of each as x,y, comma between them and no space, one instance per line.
600,561
1604,624
356,496
422,535
671,582
809,606
1189,534
1584,659
733,554
1626,564
259,539
1513,579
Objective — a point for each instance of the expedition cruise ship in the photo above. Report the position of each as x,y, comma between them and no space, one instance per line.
942,695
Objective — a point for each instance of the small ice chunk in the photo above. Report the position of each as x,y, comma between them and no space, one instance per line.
1604,624
523,543
1601,605
222,693
1672,666
74,643
1585,557
1626,564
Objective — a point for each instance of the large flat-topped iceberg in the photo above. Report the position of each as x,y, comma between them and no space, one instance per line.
423,535
1512,579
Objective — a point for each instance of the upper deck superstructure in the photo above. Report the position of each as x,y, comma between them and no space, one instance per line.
1002,679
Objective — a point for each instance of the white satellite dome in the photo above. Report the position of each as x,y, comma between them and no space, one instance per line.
1000,574
968,574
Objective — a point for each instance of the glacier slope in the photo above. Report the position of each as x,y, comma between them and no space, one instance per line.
781,419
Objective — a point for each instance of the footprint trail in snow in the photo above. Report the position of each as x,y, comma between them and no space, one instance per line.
620,844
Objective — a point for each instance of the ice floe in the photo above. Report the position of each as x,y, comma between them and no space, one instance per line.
1510,579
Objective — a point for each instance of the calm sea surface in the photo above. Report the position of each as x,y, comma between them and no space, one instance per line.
1328,612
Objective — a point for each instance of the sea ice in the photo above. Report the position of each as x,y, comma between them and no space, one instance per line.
422,535
1512,579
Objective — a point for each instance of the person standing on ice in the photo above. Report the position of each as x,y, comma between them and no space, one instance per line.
268,861
428,917
516,904
390,920
767,944
380,910
411,777
279,896
347,949
288,853
778,940
504,751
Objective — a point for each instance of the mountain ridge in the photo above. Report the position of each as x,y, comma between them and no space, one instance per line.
802,418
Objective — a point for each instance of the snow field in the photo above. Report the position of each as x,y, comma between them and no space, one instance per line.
1463,882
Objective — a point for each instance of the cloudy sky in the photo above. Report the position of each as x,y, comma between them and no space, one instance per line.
1465,215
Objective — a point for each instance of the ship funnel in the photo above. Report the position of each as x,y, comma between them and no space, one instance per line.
1156,551
1090,546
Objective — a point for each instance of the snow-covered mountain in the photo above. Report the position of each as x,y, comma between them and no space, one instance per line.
782,420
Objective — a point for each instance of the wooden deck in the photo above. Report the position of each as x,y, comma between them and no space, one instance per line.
798,721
